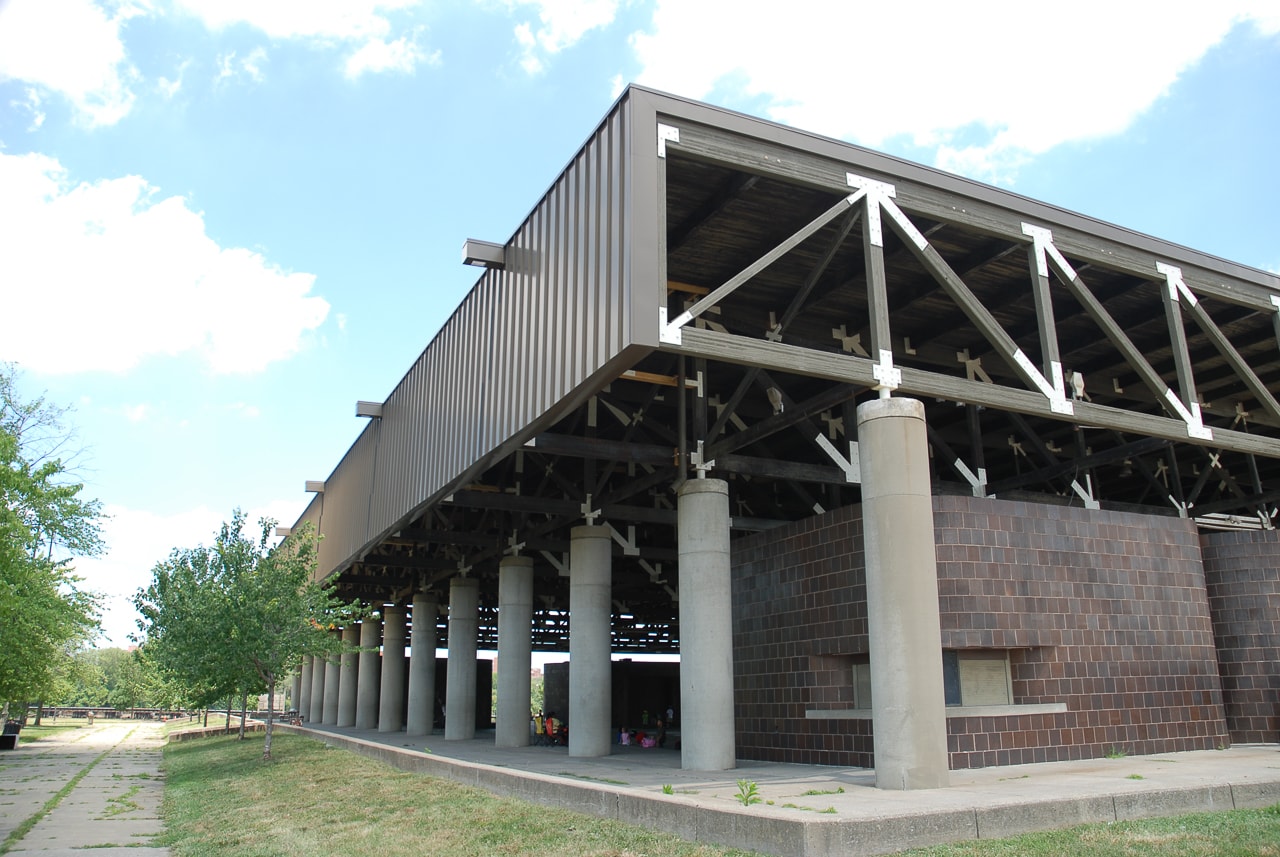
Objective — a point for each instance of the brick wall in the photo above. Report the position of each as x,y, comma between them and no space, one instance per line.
1242,570
799,617
1103,611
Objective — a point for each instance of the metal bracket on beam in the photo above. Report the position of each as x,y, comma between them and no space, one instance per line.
1190,415
888,376
654,571
589,513
699,462
851,466
667,332
1086,494
977,481
514,546
628,544
849,344
666,134
1177,286
880,195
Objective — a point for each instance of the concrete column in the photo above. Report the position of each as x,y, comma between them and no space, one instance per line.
590,677
304,699
464,625
297,690
422,666
332,685
908,705
318,676
347,681
391,700
706,628
368,674
515,647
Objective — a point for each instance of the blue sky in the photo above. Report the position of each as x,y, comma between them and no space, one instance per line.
222,222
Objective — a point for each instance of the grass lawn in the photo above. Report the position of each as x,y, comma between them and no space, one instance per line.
1238,833
221,799
35,733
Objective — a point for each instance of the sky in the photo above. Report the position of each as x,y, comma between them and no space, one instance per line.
223,222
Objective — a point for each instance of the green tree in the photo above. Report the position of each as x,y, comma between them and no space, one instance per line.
44,524
113,677
240,615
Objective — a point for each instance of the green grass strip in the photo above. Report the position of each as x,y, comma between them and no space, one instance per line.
15,836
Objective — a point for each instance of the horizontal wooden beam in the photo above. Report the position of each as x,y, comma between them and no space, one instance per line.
847,369
769,468
599,448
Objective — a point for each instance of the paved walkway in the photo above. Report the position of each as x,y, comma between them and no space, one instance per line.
105,786
813,811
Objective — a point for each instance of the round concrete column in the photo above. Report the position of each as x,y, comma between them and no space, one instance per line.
304,699
391,700
347,681
908,705
369,674
515,647
422,666
317,690
296,691
590,643
332,685
464,625
706,628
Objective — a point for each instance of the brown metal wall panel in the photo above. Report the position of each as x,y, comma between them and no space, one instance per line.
345,511
520,343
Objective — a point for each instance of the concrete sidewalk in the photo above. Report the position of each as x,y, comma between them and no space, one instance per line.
810,811
114,806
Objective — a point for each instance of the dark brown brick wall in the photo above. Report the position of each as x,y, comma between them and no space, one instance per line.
1242,570
800,614
1103,611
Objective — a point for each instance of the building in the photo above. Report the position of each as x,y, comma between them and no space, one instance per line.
868,444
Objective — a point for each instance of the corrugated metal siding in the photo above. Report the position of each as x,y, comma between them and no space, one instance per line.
312,515
522,341
345,513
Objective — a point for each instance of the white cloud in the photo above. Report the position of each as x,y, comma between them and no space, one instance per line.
30,102
365,25
101,275
71,47
138,539
983,86
230,66
561,23
169,88
402,55
323,20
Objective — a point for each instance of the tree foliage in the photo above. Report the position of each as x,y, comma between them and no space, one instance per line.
109,677
237,617
44,524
